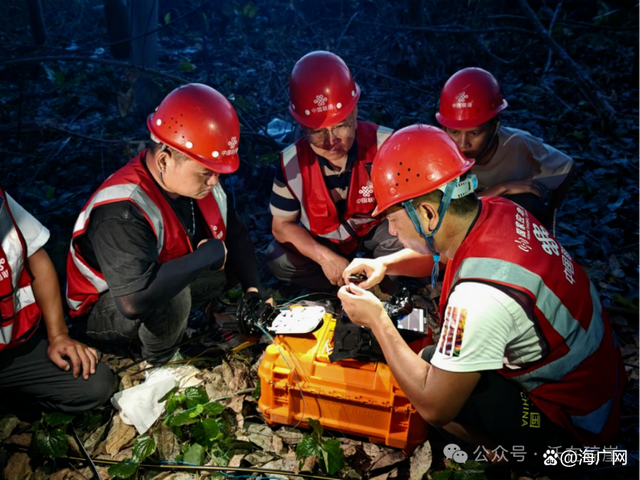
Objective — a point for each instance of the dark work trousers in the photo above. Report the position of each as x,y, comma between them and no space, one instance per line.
160,330
293,267
30,383
504,413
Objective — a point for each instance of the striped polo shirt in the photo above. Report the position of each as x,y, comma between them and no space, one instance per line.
284,204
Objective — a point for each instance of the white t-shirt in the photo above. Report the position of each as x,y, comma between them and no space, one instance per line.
485,329
35,234
520,156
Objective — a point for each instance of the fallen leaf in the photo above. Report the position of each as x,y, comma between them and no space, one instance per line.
386,459
236,460
420,461
119,435
18,467
258,457
289,435
167,443
24,439
309,464
91,443
7,426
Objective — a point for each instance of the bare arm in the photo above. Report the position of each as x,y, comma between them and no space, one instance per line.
46,290
286,231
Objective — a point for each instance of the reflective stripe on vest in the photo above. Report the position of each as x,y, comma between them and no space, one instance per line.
106,195
294,181
151,211
563,323
23,297
552,308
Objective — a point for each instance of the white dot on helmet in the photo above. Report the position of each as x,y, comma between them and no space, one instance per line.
158,122
307,112
189,145
215,154
338,105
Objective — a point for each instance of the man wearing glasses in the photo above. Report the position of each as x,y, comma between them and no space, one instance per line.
322,195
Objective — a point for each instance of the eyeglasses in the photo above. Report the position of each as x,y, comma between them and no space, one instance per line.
318,137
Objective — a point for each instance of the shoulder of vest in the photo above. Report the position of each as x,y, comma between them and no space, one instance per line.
288,153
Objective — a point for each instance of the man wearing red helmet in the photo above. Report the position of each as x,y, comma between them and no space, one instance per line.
526,355
36,372
322,196
508,162
154,240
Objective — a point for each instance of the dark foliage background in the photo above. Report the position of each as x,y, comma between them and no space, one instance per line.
65,125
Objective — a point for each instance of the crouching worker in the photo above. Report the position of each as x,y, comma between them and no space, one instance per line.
527,356
157,237
509,162
38,374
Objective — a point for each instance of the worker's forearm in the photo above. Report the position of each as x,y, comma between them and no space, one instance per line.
302,240
408,263
46,290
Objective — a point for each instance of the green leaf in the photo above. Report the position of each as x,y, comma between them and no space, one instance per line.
206,432
249,10
53,444
213,408
194,454
443,475
144,446
169,394
181,418
333,456
195,396
172,404
196,411
123,469
317,429
307,447
167,18
256,392
185,66
57,419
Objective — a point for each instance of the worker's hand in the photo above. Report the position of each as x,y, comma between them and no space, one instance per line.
512,188
83,358
362,306
373,269
224,245
333,266
255,290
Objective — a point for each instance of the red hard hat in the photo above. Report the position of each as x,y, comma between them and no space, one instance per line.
200,122
470,98
413,161
322,91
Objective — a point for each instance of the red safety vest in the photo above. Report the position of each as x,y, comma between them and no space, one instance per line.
318,213
19,312
133,183
579,381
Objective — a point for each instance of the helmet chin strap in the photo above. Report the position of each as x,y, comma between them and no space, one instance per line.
453,190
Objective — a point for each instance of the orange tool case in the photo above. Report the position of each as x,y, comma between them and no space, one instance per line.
297,381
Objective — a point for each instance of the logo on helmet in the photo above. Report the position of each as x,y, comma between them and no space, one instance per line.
461,101
320,100
366,191
232,147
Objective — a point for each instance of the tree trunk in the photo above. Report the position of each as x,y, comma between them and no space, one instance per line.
116,13
38,29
